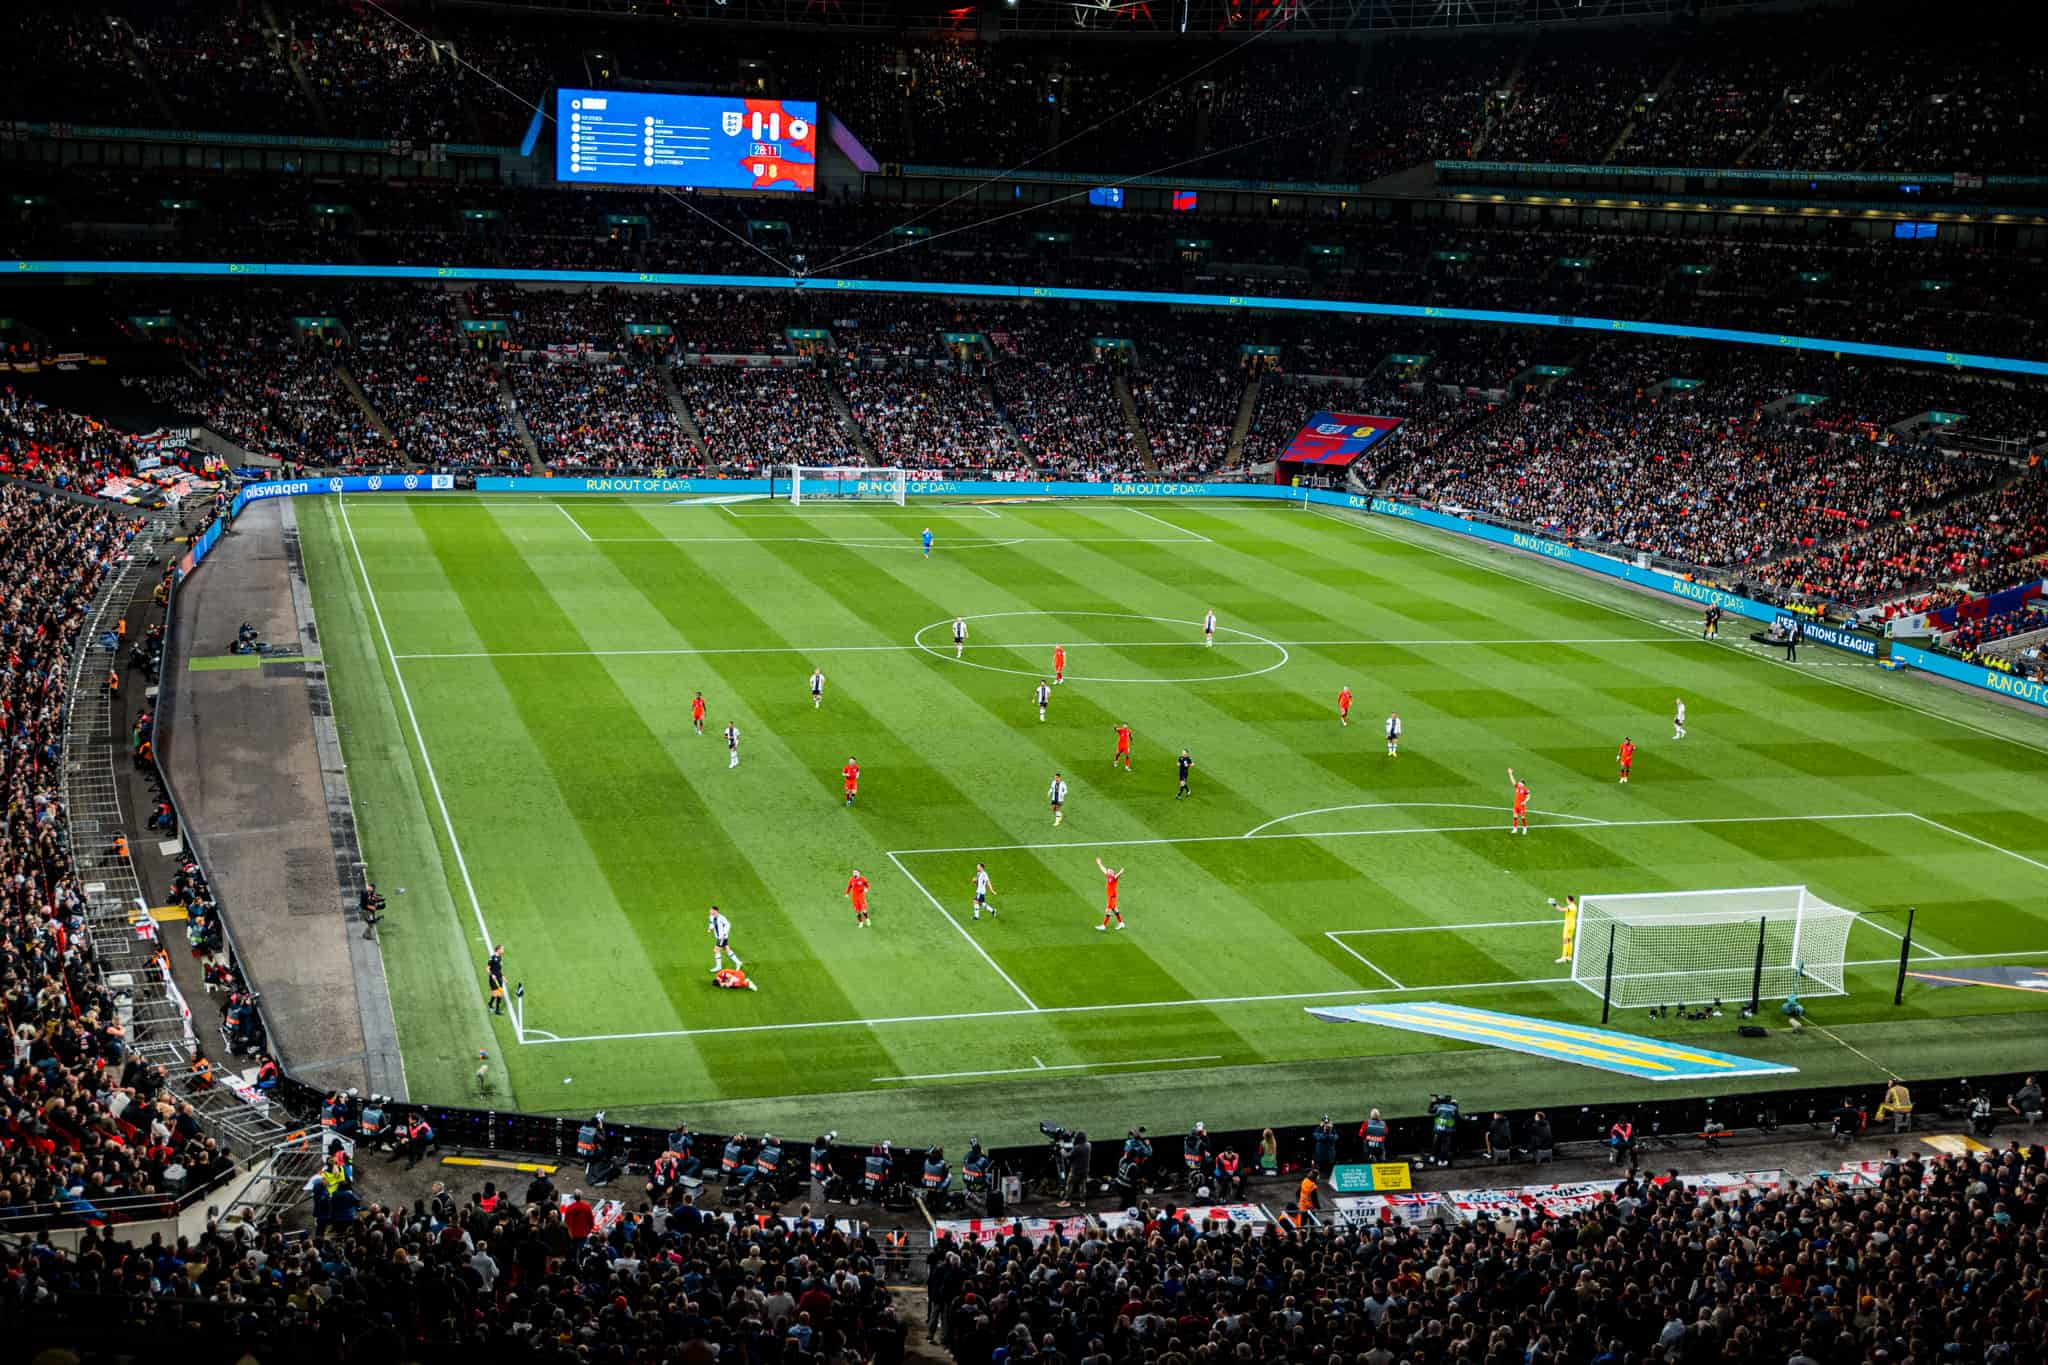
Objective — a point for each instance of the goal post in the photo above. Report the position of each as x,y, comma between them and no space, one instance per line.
846,483
1695,947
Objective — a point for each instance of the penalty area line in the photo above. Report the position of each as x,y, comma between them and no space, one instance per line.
1042,1067
1209,1002
1382,971
961,929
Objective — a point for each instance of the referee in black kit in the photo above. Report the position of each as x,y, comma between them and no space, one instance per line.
1185,763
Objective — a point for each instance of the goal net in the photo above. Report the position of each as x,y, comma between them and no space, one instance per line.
1694,947
816,483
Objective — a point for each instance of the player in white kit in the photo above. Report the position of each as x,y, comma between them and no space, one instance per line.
1678,721
983,889
720,929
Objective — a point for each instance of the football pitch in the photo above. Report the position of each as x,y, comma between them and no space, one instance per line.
513,680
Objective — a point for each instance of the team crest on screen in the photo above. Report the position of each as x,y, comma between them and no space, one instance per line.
731,121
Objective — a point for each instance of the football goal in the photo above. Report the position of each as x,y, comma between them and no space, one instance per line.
1695,947
817,483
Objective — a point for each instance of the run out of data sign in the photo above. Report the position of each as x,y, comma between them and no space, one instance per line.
626,137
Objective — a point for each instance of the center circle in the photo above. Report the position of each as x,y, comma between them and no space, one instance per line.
938,652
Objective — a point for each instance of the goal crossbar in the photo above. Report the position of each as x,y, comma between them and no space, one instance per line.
1742,943
846,483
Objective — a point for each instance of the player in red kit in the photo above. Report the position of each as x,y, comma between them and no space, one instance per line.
1123,746
1110,878
697,712
1626,757
851,772
857,892
1344,705
1059,664
1521,821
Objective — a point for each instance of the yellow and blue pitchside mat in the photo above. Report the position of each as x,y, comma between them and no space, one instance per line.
1645,1058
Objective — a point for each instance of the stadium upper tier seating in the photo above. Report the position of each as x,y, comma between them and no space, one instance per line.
1889,87
1816,284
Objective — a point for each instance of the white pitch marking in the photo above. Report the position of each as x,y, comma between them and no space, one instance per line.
1201,1003
1439,928
1366,960
1259,643
1425,829
1034,1070
1191,535
961,929
1986,843
572,521
1408,805
405,696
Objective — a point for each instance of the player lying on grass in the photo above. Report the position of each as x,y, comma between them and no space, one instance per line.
732,979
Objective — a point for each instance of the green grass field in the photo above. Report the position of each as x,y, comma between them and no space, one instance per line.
513,680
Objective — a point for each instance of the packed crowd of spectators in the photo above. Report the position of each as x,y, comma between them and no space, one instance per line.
1935,1264
587,415
435,386
87,1126
755,416
1188,403
1885,87
1985,540
1570,100
928,418
1061,399
258,378
1678,472
546,1275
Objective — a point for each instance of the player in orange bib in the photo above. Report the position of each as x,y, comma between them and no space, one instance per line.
851,772
1521,821
1344,705
857,892
732,979
1059,664
1626,757
1111,876
697,712
1123,746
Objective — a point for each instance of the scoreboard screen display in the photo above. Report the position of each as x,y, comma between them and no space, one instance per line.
622,137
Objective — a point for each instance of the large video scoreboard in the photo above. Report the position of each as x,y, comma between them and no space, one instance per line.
622,137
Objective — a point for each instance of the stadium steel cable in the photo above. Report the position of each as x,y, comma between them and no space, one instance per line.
546,117
842,262
1182,79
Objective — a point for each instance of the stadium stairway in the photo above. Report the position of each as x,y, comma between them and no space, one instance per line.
844,411
686,419
127,943
143,71
1613,151
274,31
1247,408
362,400
1132,420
